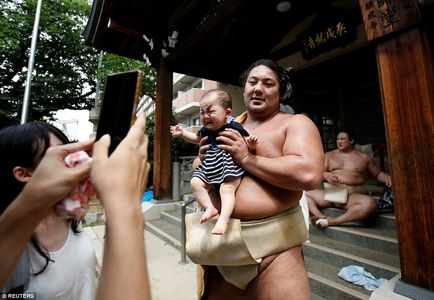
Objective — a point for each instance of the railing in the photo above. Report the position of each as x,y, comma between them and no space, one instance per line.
185,188
183,237
185,174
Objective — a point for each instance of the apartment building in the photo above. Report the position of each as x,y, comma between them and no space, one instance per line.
187,91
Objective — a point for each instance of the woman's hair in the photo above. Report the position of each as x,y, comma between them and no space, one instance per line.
25,145
283,75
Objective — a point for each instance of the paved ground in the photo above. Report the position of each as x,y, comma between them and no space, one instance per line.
168,278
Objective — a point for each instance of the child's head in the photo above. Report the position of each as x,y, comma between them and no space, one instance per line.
215,108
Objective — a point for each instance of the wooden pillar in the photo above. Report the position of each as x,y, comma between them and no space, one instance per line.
407,86
162,139
406,72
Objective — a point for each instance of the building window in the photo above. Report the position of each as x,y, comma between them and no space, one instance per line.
198,84
196,122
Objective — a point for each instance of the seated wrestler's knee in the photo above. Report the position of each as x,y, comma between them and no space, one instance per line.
372,205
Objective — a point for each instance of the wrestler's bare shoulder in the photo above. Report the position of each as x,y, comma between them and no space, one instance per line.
333,153
291,120
362,156
355,154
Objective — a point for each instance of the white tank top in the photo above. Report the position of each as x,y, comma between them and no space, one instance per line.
70,276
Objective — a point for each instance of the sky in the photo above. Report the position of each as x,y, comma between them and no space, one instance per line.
74,123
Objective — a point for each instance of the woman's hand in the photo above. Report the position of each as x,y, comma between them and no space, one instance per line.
120,179
52,180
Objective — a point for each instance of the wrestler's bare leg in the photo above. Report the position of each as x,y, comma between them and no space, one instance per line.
315,200
227,196
200,191
282,276
218,289
359,207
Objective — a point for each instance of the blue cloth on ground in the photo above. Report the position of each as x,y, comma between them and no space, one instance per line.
359,276
148,196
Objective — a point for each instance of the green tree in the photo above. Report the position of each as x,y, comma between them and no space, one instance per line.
179,146
65,69
112,63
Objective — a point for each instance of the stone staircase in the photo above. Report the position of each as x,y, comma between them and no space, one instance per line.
371,244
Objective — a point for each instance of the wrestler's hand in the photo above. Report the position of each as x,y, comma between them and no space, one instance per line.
203,148
385,178
233,143
330,177
388,182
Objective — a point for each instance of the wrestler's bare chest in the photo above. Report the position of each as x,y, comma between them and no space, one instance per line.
346,162
271,138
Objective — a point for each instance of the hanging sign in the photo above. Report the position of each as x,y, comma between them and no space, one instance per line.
382,17
326,35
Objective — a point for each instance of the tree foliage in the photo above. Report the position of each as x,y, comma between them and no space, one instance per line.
112,63
179,146
65,69
63,65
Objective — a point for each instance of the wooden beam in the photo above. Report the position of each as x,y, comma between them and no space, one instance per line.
205,32
162,183
407,85
116,26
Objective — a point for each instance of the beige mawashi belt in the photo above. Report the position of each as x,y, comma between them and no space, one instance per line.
238,252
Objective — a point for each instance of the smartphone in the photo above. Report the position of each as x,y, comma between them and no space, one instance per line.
120,98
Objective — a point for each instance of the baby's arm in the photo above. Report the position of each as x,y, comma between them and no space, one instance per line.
190,137
251,141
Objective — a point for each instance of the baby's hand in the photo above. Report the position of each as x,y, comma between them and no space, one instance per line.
176,130
252,141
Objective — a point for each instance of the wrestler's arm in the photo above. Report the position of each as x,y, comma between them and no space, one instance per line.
299,168
376,172
327,175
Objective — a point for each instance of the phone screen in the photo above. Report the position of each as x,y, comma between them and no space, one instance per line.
118,109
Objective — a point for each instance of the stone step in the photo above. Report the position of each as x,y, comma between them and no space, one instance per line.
166,231
369,238
172,217
325,283
383,220
189,208
165,222
316,297
373,257
371,261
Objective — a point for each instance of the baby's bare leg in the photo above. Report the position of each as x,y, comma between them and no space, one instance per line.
201,193
227,196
